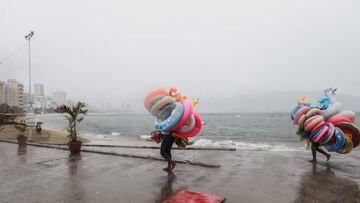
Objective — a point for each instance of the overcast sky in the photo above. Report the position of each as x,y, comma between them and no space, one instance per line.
115,51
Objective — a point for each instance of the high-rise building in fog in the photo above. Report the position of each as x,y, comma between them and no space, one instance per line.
59,98
4,93
28,98
39,98
38,89
49,103
16,93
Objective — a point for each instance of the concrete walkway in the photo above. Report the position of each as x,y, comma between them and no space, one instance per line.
36,174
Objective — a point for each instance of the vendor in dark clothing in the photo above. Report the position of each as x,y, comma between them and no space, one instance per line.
167,141
315,147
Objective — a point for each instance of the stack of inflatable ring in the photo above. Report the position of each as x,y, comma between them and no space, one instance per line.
327,126
173,113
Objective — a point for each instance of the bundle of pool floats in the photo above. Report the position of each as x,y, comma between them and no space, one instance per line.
325,123
174,114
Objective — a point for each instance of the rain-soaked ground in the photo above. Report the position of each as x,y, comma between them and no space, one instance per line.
35,174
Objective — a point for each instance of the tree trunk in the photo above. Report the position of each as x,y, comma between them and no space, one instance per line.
75,130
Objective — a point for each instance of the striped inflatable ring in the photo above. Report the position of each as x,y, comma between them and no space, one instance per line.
321,124
154,93
165,112
329,134
190,126
313,122
313,112
184,117
293,111
321,134
195,130
152,102
300,112
301,121
162,103
167,124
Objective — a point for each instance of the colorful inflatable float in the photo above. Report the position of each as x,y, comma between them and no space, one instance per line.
185,196
326,123
173,113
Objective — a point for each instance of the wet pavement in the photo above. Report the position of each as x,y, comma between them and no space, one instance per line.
35,174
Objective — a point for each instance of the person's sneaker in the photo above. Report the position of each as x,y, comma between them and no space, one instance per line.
328,157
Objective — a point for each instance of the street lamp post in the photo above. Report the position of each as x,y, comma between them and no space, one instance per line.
30,112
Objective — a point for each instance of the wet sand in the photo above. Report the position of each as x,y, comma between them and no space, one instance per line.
38,174
9,132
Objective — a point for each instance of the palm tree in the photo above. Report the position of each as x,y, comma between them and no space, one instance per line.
76,113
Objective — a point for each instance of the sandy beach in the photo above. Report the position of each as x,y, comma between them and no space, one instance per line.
9,132
50,175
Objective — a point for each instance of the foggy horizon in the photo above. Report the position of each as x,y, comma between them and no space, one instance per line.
115,52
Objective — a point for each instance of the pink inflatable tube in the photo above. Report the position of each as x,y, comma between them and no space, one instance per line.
312,122
303,110
184,117
349,114
321,124
321,134
301,121
329,134
197,128
339,119
190,125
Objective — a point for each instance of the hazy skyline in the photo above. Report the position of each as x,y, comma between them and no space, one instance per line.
116,51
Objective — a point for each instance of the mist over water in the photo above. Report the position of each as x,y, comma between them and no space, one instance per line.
114,52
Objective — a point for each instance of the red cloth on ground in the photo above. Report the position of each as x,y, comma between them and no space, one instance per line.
185,196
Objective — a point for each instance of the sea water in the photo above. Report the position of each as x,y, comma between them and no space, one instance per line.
248,131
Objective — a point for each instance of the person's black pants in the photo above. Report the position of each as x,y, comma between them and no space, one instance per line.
315,147
166,145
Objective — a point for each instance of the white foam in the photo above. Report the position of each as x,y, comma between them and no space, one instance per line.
283,148
145,137
115,133
243,145
100,136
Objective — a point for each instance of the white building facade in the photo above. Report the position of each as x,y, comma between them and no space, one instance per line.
16,93
59,98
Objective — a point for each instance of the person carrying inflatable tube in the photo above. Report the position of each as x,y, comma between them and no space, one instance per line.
325,124
176,120
167,141
315,147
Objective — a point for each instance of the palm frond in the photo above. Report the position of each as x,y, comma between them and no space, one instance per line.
80,119
75,114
